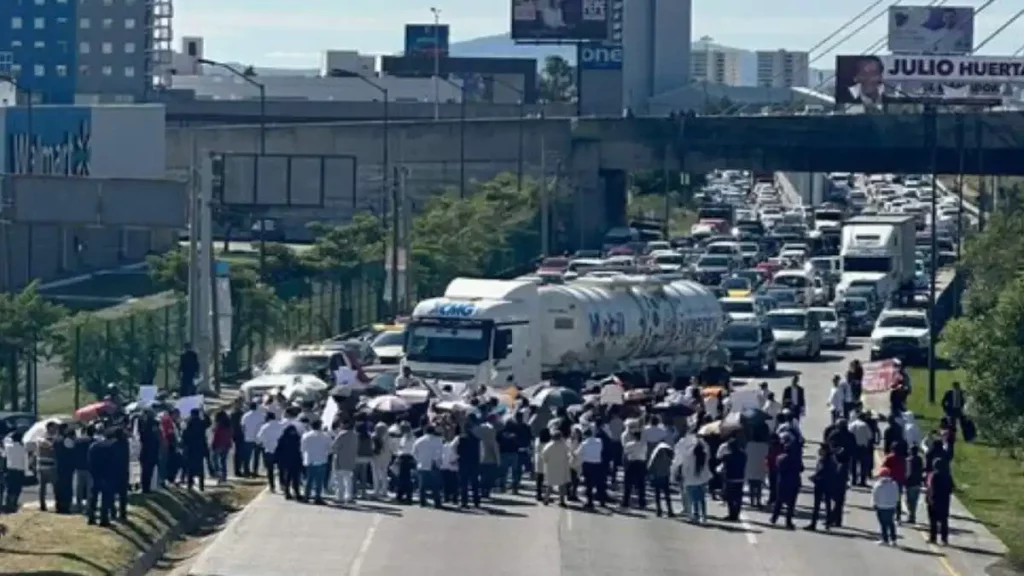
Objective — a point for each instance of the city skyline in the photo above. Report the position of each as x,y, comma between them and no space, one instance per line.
265,32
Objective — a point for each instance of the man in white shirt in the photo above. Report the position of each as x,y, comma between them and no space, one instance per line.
839,398
589,453
252,421
316,447
654,433
267,439
345,377
428,451
406,379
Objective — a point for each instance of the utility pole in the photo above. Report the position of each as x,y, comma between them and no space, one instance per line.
396,234
545,214
437,62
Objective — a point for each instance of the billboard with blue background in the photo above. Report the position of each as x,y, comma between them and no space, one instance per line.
600,56
426,39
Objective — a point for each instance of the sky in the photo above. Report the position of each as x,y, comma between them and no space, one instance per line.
281,34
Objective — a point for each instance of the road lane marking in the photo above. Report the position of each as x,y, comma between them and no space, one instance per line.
357,563
568,520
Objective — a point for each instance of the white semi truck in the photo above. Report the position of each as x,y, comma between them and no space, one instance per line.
879,250
505,332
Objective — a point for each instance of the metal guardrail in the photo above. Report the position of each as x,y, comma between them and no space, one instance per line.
969,208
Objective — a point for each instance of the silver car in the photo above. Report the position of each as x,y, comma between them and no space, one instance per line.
833,327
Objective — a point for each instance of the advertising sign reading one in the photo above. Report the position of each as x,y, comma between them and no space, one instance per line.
600,57
865,79
546,21
927,30
426,39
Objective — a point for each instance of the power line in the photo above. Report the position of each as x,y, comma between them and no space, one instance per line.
814,48
1019,51
856,31
1000,30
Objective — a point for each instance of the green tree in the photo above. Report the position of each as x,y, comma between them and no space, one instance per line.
992,261
557,82
28,331
229,219
348,245
989,348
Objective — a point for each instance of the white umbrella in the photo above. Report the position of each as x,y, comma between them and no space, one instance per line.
388,404
37,431
414,395
454,406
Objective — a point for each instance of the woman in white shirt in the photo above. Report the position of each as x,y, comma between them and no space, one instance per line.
17,466
406,463
693,458
450,467
634,454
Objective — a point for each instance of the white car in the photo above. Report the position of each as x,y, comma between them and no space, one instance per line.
833,327
901,333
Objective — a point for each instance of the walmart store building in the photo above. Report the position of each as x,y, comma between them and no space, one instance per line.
102,141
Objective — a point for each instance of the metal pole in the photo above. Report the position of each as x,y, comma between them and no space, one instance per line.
932,130
962,149
544,215
462,144
385,148
521,144
263,152
665,185
396,307
983,191
437,63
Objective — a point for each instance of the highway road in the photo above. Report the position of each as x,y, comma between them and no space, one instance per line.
516,536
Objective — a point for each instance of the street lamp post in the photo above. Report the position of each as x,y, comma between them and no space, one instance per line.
385,190
462,134
521,136
263,135
437,61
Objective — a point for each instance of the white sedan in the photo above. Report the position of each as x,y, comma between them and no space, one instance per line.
833,326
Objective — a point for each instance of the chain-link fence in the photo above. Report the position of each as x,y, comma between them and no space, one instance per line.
140,343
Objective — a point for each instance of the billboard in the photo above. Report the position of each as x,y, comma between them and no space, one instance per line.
535,21
866,79
426,39
927,30
598,56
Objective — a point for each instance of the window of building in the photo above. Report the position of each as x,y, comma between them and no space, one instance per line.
108,23
107,48
39,44
40,2
129,47
15,43
108,71
16,23
40,70
83,69
84,48
15,69
39,23
84,24
129,23
108,2
61,70
129,71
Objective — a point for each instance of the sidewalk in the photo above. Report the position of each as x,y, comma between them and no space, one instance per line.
973,549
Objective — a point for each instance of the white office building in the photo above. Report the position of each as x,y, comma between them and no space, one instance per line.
783,69
716,66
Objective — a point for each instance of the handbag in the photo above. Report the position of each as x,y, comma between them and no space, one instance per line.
969,429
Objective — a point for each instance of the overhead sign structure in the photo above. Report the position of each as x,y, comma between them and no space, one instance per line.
600,56
944,30
256,181
427,39
539,21
868,80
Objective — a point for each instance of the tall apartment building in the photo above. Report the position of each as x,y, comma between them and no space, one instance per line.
67,51
716,66
783,69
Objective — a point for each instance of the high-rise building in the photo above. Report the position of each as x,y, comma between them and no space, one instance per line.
783,69
656,38
717,66
86,51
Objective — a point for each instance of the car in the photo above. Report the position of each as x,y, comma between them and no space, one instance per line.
745,308
797,333
751,347
737,286
388,346
901,333
858,314
833,326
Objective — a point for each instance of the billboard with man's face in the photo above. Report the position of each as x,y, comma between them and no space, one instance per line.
859,80
537,21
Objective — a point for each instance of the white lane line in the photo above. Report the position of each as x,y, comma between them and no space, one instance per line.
748,530
568,520
357,563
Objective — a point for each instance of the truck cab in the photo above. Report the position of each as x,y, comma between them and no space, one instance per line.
901,333
879,249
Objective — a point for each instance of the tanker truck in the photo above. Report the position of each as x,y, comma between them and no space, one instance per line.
519,332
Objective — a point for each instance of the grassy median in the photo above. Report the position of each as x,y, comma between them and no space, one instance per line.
989,483
47,543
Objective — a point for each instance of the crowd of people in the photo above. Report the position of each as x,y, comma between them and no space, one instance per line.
462,457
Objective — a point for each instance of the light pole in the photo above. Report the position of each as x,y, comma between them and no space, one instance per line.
248,78
437,61
384,192
462,134
521,136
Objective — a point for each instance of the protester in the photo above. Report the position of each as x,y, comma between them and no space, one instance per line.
885,498
940,495
555,460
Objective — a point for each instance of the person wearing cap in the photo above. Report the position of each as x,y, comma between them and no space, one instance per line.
885,499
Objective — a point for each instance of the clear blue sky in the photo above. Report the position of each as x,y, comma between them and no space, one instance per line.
293,32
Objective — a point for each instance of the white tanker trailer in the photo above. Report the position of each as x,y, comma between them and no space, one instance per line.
519,332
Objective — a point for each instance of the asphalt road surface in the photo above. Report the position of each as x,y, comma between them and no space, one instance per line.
515,536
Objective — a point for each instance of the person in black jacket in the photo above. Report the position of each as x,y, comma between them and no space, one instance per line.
915,479
64,456
940,495
240,458
468,449
196,448
793,397
843,446
734,473
120,470
149,449
826,475
101,459
188,370
83,478
288,456
788,468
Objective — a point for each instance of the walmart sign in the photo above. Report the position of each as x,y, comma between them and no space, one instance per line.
53,141
600,57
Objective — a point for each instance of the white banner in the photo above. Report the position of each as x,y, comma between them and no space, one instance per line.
947,69
931,29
